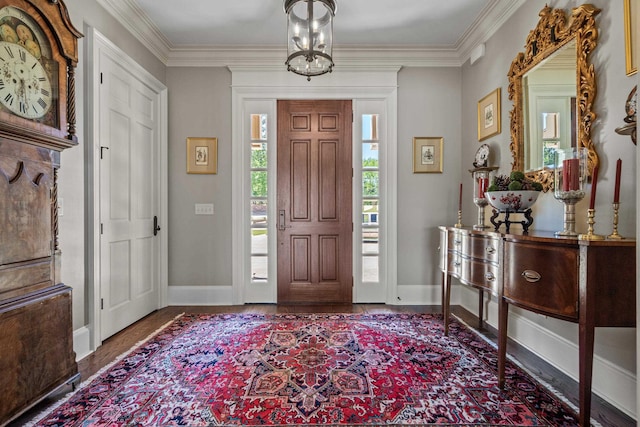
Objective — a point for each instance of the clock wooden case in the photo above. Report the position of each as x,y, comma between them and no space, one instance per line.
38,56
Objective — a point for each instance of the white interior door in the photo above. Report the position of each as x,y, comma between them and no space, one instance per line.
129,197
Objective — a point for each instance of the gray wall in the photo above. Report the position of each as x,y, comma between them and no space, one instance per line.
199,245
429,102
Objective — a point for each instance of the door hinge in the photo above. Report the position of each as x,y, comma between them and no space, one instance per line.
101,228
101,303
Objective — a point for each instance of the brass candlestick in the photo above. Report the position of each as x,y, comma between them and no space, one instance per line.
614,235
590,234
459,223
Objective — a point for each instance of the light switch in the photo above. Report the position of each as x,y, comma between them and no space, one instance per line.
204,208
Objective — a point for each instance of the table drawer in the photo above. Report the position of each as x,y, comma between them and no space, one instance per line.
485,248
483,275
542,278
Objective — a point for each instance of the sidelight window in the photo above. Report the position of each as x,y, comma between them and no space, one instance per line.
259,198
370,251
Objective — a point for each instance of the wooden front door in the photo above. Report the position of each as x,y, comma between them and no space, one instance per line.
314,202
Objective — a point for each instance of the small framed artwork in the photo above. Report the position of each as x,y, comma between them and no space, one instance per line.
489,115
631,22
427,154
202,155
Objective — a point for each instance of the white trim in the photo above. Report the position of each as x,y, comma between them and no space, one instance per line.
82,342
562,354
97,43
132,17
200,295
251,85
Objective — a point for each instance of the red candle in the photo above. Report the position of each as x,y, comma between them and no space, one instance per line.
483,183
616,193
460,199
594,185
570,174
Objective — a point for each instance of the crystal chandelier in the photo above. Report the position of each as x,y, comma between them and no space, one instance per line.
310,36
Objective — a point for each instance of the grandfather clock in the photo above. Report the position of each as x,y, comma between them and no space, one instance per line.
38,56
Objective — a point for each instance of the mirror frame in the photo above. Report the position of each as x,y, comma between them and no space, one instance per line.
553,32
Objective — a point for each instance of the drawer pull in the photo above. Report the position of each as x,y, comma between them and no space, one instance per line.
457,264
457,242
531,276
491,250
489,276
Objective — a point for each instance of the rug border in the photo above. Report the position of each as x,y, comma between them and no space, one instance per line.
55,405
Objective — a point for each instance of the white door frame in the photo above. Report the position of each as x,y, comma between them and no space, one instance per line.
98,43
254,84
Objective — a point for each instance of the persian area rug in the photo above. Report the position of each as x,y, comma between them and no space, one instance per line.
327,369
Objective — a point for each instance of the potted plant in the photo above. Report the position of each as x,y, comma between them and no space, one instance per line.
513,192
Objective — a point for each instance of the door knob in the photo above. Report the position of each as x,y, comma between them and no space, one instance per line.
156,227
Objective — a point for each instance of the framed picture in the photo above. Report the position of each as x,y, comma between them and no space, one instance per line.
427,154
631,22
202,155
489,115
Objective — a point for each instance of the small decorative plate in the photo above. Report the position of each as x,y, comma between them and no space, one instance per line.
631,106
482,156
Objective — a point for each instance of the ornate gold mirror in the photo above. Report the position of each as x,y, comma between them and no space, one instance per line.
553,88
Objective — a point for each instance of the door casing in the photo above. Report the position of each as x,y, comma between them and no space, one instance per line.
379,85
98,43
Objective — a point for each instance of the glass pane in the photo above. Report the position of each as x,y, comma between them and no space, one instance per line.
258,183
370,155
370,185
370,241
259,241
370,215
259,213
370,269
259,268
258,127
369,127
259,155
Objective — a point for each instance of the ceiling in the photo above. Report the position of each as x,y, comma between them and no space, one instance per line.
250,32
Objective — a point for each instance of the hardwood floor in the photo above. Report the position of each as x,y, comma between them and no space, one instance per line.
123,341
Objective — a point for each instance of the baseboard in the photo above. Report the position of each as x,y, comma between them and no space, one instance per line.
611,382
200,295
418,295
82,342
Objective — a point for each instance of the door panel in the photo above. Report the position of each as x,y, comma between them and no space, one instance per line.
129,198
314,200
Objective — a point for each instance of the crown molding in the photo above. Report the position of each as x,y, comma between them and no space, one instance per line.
133,18
488,22
352,57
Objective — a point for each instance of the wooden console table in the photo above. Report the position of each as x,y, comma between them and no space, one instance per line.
591,283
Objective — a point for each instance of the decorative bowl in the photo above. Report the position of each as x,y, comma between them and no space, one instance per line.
513,201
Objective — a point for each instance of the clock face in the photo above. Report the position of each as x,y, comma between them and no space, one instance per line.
28,71
25,88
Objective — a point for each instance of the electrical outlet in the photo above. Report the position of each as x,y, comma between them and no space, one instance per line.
204,208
